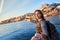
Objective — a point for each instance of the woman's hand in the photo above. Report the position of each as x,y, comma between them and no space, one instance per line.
44,36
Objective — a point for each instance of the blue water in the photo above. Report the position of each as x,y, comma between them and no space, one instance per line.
22,30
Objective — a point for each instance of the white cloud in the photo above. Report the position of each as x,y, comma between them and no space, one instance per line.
1,6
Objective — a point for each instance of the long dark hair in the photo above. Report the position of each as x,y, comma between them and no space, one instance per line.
40,12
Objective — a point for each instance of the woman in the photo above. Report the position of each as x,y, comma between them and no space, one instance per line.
41,27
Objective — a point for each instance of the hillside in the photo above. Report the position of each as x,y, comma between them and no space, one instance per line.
49,10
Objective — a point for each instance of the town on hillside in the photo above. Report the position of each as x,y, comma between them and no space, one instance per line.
49,10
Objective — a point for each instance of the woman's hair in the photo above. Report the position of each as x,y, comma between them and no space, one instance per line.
40,12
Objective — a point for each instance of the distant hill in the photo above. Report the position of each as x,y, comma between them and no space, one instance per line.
49,10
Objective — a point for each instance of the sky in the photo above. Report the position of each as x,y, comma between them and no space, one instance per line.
14,8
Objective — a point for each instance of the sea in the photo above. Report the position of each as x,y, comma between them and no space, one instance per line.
22,30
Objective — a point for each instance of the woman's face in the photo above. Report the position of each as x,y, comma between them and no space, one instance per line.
37,15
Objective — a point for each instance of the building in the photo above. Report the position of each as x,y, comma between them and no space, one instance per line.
17,18
12,19
28,16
